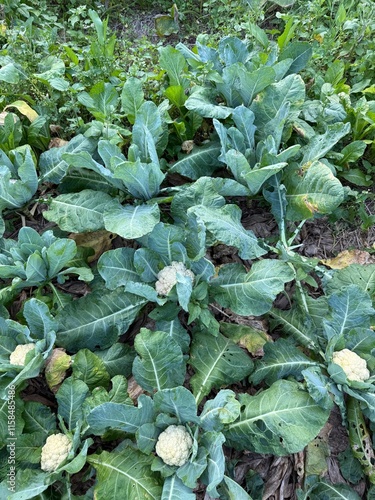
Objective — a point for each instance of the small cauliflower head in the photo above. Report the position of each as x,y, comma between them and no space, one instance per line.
55,451
354,366
174,445
167,277
18,356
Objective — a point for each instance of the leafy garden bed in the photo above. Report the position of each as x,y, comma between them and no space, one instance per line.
195,251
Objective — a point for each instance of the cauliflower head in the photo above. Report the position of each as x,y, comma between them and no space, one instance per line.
167,277
18,356
55,451
174,445
354,366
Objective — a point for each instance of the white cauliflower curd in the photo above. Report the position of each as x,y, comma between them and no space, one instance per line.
167,277
174,445
55,451
18,356
354,366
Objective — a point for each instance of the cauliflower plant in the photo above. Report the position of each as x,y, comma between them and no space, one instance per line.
354,366
167,277
55,451
18,356
174,445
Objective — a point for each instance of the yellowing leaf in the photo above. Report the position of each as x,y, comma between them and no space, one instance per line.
348,257
57,365
24,109
99,241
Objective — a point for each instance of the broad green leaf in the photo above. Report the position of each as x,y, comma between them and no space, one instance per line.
160,363
175,331
38,418
296,324
70,397
9,73
116,267
312,190
90,369
174,63
356,274
36,269
165,242
118,359
19,423
281,359
179,402
273,423
216,361
101,101
149,134
30,483
132,98
53,168
352,152
79,179
130,221
223,409
202,161
250,293
59,254
319,145
214,474
174,489
146,437
176,95
233,50
318,386
253,83
244,118
234,491
357,177
125,474
202,102
290,89
225,225
142,180
97,320
300,53
324,490
39,318
29,447
351,308
79,212
15,192
191,471
124,417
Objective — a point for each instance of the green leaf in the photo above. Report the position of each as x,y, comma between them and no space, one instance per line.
223,409
297,324
355,274
131,221
79,212
281,359
101,101
201,101
53,168
59,254
29,447
300,53
118,359
273,423
9,73
142,180
214,473
202,161
357,177
39,318
250,293
174,489
233,50
38,418
178,402
30,483
325,489
351,308
193,469
174,63
125,474
70,397
160,363
19,422
116,267
149,134
216,361
97,320
90,369
234,491
253,83
124,417
36,269
16,190
319,145
312,190
175,331
225,225
132,98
